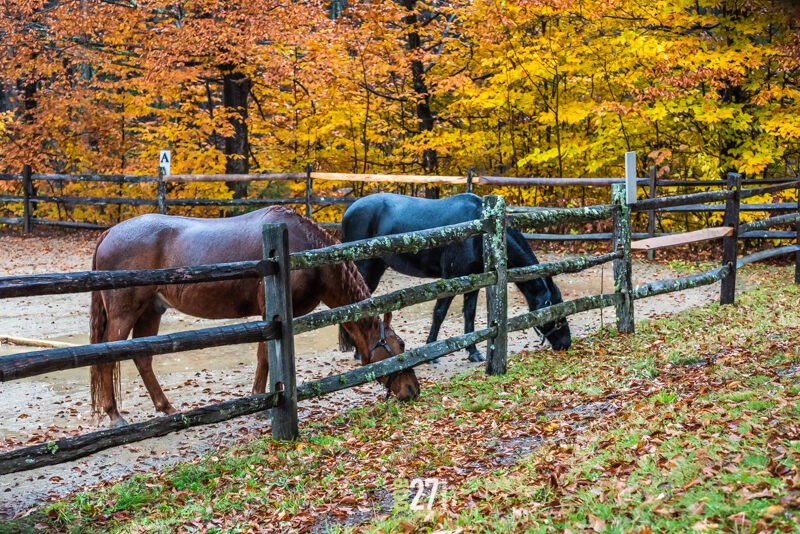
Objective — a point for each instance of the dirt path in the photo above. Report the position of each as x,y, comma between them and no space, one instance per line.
54,406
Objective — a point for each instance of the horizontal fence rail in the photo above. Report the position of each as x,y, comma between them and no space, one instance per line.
527,219
559,311
67,449
679,200
408,359
396,300
766,254
542,270
771,222
79,282
755,191
552,182
384,245
677,284
777,206
34,363
309,199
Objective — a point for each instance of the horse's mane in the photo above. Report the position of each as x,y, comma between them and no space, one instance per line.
347,273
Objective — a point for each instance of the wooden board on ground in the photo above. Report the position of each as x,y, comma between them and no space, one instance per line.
24,341
681,239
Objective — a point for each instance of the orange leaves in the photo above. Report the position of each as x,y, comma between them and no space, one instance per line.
522,87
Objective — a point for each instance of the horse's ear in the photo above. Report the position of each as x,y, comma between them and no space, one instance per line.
387,319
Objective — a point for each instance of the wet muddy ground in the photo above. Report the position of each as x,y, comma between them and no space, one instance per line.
57,405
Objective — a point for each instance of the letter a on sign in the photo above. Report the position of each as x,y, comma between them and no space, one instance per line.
164,160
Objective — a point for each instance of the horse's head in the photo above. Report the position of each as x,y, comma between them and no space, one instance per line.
385,343
557,332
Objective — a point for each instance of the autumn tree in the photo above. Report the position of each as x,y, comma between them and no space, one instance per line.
520,87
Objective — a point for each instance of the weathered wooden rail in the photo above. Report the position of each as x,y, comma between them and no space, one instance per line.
158,197
278,333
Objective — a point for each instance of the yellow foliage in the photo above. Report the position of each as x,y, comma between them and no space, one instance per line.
559,88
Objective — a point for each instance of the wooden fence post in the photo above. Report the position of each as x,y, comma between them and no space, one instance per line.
623,272
494,259
280,352
730,243
470,176
27,193
309,191
797,242
162,192
651,214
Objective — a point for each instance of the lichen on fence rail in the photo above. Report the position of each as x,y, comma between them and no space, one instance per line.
406,360
543,217
395,300
769,222
532,272
561,310
684,282
383,245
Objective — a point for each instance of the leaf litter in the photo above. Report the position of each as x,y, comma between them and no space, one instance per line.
572,429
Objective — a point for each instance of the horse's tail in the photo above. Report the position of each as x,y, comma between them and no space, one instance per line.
98,323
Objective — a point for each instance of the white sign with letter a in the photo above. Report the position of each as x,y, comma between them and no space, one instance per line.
164,161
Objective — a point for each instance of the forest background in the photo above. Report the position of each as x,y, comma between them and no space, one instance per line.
555,88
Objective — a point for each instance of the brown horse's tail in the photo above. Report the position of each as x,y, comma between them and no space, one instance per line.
98,322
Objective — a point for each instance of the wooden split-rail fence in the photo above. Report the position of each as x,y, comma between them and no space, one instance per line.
285,393
154,192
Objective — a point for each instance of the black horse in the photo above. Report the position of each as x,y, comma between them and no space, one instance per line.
386,213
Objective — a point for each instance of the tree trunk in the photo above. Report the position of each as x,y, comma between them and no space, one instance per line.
430,159
235,90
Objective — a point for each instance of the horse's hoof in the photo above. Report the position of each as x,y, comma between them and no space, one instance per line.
119,423
356,356
476,357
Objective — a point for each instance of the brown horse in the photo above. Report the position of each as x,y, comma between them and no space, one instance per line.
162,241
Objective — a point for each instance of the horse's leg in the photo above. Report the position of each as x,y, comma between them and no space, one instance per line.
145,366
147,325
107,374
262,369
439,313
470,303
